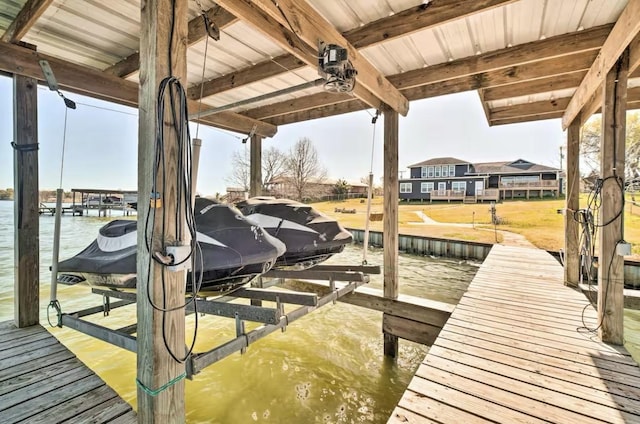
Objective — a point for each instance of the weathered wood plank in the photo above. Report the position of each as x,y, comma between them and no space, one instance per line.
48,400
23,340
97,405
33,361
401,415
17,351
611,219
38,374
128,418
159,331
12,332
390,218
438,409
94,83
623,33
26,291
542,85
408,329
26,18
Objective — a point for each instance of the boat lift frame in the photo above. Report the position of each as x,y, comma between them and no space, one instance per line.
272,318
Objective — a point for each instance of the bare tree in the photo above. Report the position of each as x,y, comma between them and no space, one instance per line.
303,167
273,164
240,170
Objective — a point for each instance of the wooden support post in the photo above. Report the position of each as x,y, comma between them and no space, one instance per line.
612,151
26,202
571,230
155,366
390,222
255,184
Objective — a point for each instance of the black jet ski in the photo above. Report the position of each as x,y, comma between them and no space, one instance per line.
234,250
310,236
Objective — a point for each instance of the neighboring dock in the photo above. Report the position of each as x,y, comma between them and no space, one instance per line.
41,381
515,350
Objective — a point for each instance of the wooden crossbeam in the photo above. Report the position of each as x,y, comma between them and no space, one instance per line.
353,105
309,27
400,24
623,33
548,68
92,82
26,18
553,47
197,32
548,109
425,15
542,85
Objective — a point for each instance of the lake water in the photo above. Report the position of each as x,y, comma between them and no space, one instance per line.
327,367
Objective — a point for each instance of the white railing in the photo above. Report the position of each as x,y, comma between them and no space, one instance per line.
531,184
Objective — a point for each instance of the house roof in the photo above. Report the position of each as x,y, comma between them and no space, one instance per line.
440,161
325,181
511,167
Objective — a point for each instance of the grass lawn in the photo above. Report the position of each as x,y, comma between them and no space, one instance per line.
537,220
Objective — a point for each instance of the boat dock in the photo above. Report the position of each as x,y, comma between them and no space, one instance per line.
41,381
515,350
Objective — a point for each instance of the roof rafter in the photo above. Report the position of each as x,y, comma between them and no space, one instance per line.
130,64
623,33
309,27
26,18
80,79
541,85
401,24
548,109
547,68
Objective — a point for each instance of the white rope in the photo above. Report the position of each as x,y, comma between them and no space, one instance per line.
365,241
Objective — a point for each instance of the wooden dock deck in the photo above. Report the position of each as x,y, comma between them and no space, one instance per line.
41,381
515,350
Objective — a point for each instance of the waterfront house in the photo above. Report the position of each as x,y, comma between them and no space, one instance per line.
449,179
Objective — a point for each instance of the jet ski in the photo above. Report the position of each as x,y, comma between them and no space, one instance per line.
234,250
310,236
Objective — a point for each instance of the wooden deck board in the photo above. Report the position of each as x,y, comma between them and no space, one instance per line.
515,350
41,379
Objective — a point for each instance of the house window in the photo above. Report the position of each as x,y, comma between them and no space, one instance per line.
405,187
452,170
430,172
459,187
437,171
423,172
426,187
442,188
445,171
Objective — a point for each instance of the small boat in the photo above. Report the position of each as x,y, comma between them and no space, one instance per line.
234,250
310,236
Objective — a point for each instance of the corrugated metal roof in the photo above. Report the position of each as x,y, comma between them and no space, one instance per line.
99,34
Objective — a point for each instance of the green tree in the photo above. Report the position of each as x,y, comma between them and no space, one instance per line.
341,189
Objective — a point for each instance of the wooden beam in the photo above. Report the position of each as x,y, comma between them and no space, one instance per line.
390,220
130,64
553,47
528,118
541,85
571,225
624,31
160,331
255,164
529,71
385,29
310,27
612,151
94,83
26,293
408,329
297,105
526,109
263,70
319,112
26,18
417,18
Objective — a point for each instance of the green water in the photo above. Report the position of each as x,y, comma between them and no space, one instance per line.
327,367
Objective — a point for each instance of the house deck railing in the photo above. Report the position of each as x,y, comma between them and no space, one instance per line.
486,194
542,184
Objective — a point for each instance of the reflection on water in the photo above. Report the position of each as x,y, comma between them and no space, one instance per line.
327,367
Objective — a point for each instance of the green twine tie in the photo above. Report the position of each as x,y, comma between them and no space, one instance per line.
161,389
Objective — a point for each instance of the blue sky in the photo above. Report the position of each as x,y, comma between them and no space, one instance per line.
101,145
